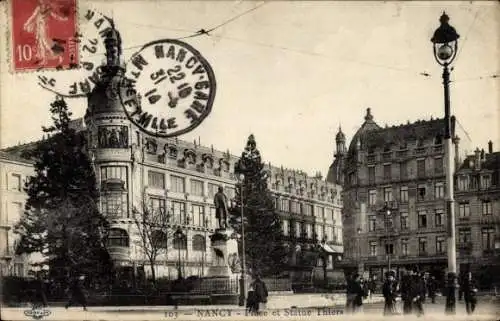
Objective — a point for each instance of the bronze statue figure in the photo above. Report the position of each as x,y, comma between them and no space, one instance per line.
220,202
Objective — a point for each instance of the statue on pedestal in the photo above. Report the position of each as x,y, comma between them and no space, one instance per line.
221,212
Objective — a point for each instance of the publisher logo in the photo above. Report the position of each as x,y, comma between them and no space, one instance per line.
37,312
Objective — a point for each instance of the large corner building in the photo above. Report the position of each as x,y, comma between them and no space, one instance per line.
394,199
181,178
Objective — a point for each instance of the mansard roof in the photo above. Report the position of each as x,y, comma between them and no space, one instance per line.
421,130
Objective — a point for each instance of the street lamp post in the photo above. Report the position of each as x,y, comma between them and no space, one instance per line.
179,238
388,249
359,248
445,45
242,298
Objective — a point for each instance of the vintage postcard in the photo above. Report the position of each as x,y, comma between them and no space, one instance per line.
211,160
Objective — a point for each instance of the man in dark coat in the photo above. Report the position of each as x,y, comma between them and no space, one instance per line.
350,295
469,288
449,292
220,202
76,293
419,293
261,292
406,292
359,293
389,291
432,288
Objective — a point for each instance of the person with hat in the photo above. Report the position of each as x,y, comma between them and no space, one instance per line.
470,293
419,293
432,288
389,292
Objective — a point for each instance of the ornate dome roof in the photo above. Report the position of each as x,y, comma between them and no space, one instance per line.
362,133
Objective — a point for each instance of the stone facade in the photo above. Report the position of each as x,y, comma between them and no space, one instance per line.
477,197
14,171
394,206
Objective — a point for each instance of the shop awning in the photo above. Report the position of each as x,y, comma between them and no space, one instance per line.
331,249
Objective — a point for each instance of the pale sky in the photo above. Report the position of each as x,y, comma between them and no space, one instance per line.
291,72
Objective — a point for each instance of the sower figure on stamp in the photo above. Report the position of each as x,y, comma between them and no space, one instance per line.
220,202
38,24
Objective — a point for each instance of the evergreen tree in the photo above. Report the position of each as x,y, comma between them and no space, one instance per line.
264,247
61,218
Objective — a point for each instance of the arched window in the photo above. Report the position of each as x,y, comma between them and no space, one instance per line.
160,239
199,243
180,243
438,140
118,237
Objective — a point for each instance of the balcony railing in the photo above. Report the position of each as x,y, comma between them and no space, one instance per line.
371,158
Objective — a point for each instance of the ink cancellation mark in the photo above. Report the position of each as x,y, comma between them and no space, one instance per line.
90,40
42,33
169,88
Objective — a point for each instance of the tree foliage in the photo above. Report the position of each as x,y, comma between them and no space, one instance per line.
61,219
264,247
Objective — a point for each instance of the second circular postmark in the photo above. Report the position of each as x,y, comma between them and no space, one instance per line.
168,89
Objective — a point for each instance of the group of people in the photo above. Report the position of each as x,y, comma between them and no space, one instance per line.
413,288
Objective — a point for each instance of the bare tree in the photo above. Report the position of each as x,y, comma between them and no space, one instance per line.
154,230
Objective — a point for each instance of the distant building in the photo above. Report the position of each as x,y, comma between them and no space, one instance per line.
477,197
399,168
14,171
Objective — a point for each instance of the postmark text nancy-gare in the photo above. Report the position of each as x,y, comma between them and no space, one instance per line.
176,86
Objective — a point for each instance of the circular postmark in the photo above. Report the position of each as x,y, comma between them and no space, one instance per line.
87,51
169,88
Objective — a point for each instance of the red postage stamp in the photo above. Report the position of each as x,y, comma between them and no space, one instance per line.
44,34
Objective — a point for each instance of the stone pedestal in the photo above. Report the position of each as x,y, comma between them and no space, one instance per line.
225,258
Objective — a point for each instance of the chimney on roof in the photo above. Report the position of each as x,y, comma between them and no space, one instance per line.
490,147
482,155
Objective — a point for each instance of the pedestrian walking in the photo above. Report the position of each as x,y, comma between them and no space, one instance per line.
77,293
252,302
470,293
372,284
389,292
261,293
432,288
406,292
419,293
350,294
449,292
360,293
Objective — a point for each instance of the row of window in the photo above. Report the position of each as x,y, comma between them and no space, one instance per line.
422,215
178,185
178,214
403,193
405,251
120,237
301,229
388,172
466,182
464,241
297,207
404,220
